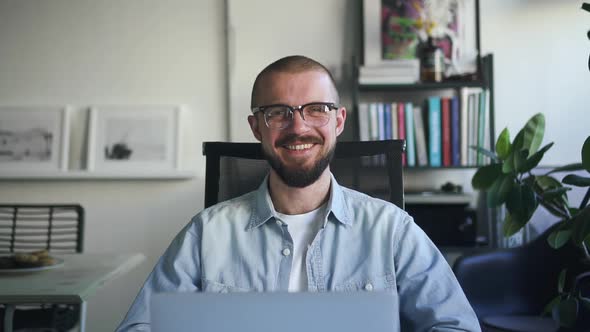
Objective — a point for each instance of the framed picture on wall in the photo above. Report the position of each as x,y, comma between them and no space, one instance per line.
34,138
133,138
394,29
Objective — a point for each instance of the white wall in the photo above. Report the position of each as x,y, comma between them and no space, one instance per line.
541,65
83,52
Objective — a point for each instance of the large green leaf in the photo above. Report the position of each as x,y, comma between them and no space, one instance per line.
533,133
567,168
576,180
485,176
586,154
520,158
559,238
521,202
499,190
547,183
581,226
555,193
508,165
534,160
503,146
511,226
568,312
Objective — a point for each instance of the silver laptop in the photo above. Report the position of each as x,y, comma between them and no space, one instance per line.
272,312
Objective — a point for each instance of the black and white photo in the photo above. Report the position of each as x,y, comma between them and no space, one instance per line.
133,138
33,138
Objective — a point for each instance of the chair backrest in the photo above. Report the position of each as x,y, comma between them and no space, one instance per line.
31,227
234,169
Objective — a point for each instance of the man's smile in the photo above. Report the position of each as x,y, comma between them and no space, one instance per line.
299,147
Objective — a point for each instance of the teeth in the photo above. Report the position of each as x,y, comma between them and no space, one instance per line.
299,147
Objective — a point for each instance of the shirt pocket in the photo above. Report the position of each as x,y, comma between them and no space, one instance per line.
210,286
368,284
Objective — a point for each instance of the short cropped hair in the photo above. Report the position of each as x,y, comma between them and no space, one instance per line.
290,64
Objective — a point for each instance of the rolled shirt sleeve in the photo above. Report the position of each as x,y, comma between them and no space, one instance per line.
431,298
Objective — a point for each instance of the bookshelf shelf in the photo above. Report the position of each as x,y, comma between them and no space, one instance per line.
421,86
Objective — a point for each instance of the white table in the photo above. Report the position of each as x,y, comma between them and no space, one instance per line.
73,283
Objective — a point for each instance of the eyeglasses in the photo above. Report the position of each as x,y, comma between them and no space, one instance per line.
279,116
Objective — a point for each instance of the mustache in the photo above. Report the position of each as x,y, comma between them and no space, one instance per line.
293,138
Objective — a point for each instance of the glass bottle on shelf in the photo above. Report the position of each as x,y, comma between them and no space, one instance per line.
431,62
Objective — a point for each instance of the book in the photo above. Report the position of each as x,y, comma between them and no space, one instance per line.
410,139
387,120
481,126
455,131
374,123
363,116
401,129
420,134
381,121
434,131
464,121
446,132
393,124
488,130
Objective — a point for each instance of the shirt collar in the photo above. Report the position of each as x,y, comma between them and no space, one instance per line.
263,209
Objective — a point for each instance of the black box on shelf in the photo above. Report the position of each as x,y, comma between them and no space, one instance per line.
446,224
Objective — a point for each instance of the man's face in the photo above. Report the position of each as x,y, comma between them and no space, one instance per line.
299,153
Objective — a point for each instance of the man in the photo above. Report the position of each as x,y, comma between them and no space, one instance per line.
301,231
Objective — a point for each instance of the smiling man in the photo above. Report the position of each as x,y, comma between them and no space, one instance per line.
301,231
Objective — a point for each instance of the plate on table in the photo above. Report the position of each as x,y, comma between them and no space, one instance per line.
29,262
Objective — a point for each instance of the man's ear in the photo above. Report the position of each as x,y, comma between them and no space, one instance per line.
340,120
253,121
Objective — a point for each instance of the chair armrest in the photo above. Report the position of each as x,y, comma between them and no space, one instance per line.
503,282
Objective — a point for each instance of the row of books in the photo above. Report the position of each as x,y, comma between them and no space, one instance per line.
402,71
438,133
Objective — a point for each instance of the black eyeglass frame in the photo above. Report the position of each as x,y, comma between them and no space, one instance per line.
292,109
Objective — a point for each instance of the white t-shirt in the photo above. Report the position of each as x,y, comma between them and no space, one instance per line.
303,229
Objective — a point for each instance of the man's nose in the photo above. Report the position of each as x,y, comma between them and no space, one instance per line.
297,122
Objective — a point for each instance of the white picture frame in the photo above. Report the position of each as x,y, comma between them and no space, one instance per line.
462,54
34,139
131,139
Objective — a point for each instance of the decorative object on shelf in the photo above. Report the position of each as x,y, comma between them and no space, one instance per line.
133,138
393,29
34,138
510,183
431,62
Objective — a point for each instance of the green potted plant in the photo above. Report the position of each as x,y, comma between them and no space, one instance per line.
510,182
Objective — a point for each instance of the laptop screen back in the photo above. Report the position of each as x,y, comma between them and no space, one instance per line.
271,312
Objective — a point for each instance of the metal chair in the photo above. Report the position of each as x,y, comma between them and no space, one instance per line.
234,169
57,228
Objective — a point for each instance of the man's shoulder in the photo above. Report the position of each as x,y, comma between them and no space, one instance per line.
358,202
232,210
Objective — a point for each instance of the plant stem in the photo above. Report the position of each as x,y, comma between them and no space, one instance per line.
585,200
585,249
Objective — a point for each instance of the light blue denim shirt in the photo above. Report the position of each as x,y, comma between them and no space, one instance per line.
365,244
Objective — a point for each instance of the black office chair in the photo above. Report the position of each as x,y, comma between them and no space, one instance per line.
32,227
513,282
234,169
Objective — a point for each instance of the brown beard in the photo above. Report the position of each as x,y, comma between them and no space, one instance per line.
300,178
